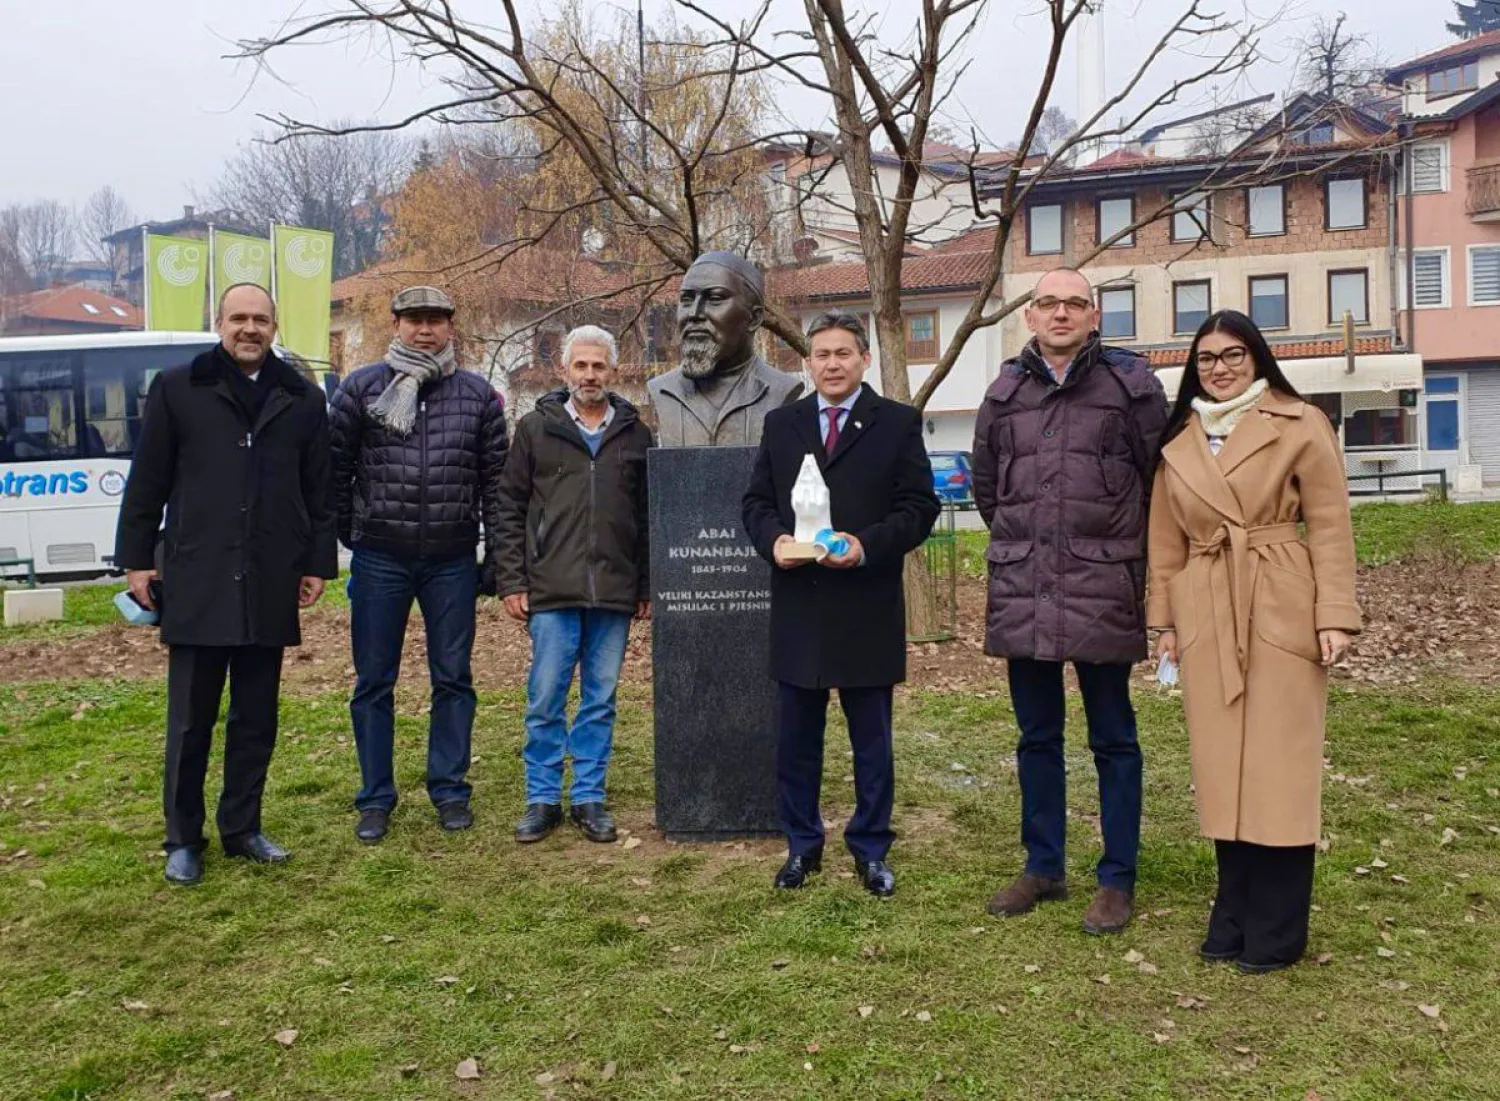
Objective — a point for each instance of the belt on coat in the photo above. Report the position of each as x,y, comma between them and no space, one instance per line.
1229,580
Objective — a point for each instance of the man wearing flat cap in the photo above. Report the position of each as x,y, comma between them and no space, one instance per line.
722,391
418,445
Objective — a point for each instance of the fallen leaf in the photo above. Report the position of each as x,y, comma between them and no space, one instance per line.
780,965
467,1071
1133,956
446,980
1385,953
135,1006
386,938
813,1049
286,1037
1450,835
639,881
743,1049
410,1070
1102,980
643,921
1243,1050
1146,968
1033,968
1377,863
807,1066
321,962
546,1078
608,1072
1361,870
222,1095
1399,879
1160,1037
866,1010
631,843
1323,959
1432,1011
924,1016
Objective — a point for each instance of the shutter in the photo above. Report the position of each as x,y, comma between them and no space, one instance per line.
1483,427
1427,168
1485,286
1429,278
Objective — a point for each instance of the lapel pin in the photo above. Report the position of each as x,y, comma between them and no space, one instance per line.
858,425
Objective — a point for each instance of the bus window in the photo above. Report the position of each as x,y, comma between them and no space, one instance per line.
40,421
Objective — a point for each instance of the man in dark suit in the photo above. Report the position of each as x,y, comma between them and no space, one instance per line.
840,622
234,447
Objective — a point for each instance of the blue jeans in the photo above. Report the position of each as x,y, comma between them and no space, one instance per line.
592,641
381,589
1036,692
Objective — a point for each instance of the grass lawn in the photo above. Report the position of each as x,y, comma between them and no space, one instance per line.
660,971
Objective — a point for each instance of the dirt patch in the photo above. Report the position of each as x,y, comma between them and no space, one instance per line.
1423,616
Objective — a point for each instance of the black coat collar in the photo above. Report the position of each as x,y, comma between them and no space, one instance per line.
274,371
856,424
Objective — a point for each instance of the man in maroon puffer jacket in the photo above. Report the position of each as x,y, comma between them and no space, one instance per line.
1063,449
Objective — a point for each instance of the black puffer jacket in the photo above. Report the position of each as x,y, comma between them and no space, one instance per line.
572,531
422,495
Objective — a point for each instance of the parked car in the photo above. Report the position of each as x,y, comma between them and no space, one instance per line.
953,478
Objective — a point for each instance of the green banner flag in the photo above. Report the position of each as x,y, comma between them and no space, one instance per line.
240,259
176,283
304,288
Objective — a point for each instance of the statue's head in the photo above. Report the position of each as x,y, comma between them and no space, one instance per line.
719,309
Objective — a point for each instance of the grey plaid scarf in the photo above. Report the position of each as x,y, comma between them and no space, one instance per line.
396,407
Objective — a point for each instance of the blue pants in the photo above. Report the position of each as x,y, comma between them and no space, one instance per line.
1036,692
381,589
591,640
799,768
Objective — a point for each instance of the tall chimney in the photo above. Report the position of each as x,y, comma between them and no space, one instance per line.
187,211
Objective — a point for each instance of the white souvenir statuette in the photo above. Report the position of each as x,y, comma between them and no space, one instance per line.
814,515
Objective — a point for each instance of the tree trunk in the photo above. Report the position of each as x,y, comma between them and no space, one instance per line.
924,619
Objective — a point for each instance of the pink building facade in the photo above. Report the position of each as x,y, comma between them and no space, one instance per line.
1449,224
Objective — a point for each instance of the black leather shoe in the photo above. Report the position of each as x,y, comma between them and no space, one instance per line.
1248,968
594,820
877,877
1216,952
797,868
184,867
256,847
539,820
373,824
455,816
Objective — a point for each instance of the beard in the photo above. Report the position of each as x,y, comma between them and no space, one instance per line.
700,356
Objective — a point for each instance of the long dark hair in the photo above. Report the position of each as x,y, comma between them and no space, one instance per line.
1238,325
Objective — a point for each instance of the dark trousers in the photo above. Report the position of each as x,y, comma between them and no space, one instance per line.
1036,692
195,685
1265,895
381,590
803,715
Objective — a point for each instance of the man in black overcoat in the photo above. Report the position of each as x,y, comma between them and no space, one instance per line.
234,447
840,622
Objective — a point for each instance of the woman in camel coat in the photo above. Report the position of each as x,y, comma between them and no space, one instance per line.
1255,611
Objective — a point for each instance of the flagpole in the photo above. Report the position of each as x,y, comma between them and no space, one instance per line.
146,276
213,302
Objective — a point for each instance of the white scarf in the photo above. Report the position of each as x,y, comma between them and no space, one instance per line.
1220,417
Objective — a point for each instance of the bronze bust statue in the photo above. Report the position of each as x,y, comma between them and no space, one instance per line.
722,390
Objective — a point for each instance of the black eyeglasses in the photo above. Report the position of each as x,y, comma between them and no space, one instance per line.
1229,357
1074,305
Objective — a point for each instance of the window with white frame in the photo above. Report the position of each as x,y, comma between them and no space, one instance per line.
1429,279
1192,302
1484,275
1269,301
1267,210
1427,166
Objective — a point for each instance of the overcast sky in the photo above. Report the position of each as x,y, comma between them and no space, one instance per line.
140,96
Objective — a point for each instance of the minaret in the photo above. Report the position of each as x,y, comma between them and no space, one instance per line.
1091,75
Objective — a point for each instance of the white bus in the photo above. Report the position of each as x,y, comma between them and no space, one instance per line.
70,412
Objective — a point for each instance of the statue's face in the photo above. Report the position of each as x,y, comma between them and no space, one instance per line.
716,320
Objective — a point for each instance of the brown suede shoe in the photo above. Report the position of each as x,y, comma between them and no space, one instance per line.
1022,896
1109,912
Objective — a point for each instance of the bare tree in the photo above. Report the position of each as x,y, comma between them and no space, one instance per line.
1224,131
652,147
105,213
322,181
39,237
1052,129
1339,64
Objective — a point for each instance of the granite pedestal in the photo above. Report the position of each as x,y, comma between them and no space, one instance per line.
715,702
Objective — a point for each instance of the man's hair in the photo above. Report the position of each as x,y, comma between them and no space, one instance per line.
840,319
1093,295
590,334
219,310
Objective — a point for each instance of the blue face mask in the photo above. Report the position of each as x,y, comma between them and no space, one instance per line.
133,613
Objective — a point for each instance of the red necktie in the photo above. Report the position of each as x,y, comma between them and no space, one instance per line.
832,440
